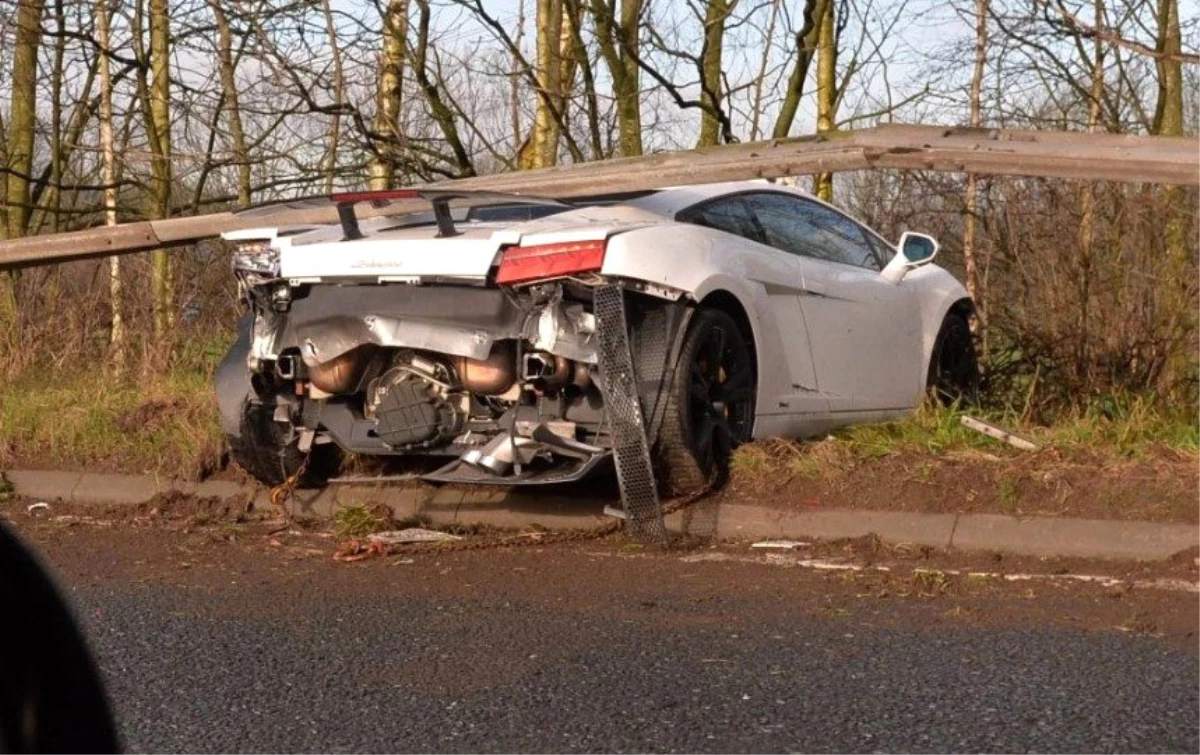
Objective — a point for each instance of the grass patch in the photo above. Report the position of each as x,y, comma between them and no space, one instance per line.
166,424
358,521
1136,429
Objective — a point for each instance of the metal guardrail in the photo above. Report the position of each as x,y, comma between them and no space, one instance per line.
1036,154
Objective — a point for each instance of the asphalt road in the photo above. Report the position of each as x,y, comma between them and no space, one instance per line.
207,645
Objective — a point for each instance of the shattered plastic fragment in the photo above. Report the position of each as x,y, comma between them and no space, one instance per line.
41,508
781,544
411,535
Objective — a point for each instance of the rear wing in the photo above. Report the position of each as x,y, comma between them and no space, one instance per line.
439,198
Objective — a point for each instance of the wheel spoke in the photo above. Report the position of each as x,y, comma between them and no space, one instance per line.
739,396
738,387
714,351
723,438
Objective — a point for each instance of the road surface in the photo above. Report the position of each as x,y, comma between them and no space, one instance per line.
228,638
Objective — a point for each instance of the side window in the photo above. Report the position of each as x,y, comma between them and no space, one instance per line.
806,228
883,251
729,215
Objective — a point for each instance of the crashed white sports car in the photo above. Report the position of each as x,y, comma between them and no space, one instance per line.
528,340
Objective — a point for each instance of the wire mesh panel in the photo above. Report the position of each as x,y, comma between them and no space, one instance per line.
631,448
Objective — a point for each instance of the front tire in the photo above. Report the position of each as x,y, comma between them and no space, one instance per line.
953,366
709,403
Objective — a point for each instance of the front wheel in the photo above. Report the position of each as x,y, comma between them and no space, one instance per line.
710,403
953,367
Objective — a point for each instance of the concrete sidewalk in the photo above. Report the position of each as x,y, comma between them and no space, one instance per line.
1034,536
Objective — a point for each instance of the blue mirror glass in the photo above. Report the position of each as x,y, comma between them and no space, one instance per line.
918,249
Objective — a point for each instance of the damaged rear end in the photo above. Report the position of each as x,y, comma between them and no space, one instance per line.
451,332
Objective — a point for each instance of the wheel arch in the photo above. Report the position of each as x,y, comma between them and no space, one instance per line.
731,305
964,307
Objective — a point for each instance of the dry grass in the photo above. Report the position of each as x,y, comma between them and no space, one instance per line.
164,425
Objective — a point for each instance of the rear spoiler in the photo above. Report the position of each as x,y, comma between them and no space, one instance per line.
440,199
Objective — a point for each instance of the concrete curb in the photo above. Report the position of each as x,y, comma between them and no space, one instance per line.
1034,536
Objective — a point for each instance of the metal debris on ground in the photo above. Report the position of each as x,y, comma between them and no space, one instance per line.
995,432
280,494
41,508
412,535
781,544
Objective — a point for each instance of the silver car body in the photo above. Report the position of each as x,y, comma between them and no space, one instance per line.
836,343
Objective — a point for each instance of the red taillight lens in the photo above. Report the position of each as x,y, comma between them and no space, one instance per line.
526,263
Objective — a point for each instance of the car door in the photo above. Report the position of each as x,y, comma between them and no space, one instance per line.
864,332
794,391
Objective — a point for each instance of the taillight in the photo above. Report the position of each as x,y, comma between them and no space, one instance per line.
526,263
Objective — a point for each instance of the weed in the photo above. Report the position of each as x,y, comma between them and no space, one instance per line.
1006,489
7,489
930,581
357,521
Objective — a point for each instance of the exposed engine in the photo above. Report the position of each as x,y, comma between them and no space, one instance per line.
416,404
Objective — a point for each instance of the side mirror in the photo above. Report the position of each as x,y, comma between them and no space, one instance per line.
915,249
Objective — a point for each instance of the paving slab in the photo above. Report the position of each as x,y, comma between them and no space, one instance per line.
45,486
742,521
118,488
1088,538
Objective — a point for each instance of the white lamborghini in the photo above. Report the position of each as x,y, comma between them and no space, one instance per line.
520,337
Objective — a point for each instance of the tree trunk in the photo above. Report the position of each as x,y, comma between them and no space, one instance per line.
826,91
1087,204
386,138
1168,121
971,211
22,121
618,42
542,148
329,162
806,47
108,154
715,14
158,129
233,111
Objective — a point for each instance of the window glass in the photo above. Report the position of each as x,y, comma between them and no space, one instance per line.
883,250
806,228
729,215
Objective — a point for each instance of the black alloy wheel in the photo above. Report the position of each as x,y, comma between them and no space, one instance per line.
710,408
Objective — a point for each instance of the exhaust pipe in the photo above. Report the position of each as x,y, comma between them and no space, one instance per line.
492,376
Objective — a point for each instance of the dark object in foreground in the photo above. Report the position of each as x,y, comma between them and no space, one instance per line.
51,699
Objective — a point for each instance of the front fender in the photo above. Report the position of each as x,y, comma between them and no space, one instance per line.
940,292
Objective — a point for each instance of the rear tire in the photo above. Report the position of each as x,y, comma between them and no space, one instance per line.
267,451
953,366
709,404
